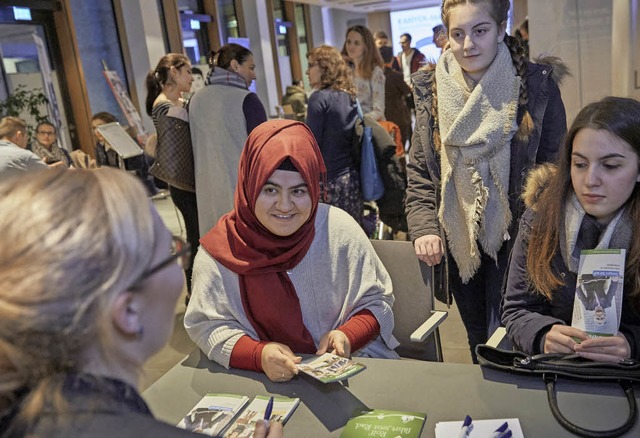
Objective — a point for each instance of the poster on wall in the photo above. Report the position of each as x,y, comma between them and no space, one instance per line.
130,112
49,90
419,24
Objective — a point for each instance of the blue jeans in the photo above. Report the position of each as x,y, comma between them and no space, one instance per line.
479,300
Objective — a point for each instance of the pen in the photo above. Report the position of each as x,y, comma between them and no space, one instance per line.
267,412
466,428
502,432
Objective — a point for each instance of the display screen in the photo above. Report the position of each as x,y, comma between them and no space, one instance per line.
419,24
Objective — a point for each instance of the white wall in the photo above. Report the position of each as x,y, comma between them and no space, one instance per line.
146,45
625,74
580,33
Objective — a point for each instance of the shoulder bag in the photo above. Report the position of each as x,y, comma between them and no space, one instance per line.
174,153
553,366
370,178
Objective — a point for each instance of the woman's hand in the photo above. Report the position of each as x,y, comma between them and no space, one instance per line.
605,349
274,429
336,342
279,362
429,249
560,339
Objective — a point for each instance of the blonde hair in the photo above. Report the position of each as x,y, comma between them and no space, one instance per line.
9,126
72,240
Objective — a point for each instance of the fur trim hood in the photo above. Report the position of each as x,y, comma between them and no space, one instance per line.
536,181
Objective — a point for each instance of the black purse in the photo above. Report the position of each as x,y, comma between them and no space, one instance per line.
552,366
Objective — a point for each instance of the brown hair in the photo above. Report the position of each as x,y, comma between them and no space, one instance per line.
10,126
618,116
499,11
371,57
334,71
160,77
56,281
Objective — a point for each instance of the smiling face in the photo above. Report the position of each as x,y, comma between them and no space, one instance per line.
247,70
474,38
355,46
284,203
604,172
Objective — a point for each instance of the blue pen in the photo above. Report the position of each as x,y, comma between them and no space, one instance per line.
502,432
466,427
267,412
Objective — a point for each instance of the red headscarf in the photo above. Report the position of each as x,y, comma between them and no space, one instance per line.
243,245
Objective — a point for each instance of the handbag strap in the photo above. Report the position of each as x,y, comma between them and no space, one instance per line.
550,383
359,108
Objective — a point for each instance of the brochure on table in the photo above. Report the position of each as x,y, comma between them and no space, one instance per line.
383,423
329,367
245,423
597,307
213,413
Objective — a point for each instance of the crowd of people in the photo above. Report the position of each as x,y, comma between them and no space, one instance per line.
501,199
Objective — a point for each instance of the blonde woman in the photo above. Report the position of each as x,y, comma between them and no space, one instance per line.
82,307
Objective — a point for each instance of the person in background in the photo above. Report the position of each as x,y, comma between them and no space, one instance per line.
382,40
107,156
409,60
363,56
332,116
283,274
165,85
439,36
522,34
45,145
222,115
484,117
15,159
198,80
297,98
94,303
396,95
589,200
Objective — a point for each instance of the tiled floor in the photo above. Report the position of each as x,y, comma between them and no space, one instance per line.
452,332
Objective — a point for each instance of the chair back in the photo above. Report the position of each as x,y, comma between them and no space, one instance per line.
413,291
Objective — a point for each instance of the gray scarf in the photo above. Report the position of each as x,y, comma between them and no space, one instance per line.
617,234
476,128
219,75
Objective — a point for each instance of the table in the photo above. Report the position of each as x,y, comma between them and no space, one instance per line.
444,391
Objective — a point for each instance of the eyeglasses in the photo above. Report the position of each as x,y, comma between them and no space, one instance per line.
46,133
180,251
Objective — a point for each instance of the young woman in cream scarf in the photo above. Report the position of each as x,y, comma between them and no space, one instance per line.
485,115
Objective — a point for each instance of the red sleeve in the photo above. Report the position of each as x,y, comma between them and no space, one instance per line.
247,354
360,329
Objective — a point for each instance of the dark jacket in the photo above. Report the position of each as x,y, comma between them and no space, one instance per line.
417,61
396,91
97,407
529,315
423,170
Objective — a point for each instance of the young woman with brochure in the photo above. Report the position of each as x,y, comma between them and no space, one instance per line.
283,273
590,200
83,307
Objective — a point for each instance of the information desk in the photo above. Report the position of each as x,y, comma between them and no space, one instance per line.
445,392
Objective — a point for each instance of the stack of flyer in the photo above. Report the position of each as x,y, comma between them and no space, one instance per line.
221,415
330,368
597,308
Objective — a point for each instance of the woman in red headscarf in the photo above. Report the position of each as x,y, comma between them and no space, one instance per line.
282,273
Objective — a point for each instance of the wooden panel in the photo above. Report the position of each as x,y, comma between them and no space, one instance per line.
292,36
213,30
172,23
274,46
308,27
74,76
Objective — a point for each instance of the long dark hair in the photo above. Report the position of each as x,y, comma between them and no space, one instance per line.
159,76
618,116
227,53
371,57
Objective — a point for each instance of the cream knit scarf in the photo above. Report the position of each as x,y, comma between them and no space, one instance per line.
476,127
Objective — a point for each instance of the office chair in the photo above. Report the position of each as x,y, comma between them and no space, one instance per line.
416,323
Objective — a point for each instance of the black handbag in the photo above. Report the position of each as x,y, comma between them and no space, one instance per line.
552,366
174,153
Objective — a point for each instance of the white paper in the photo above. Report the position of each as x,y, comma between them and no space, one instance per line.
481,428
